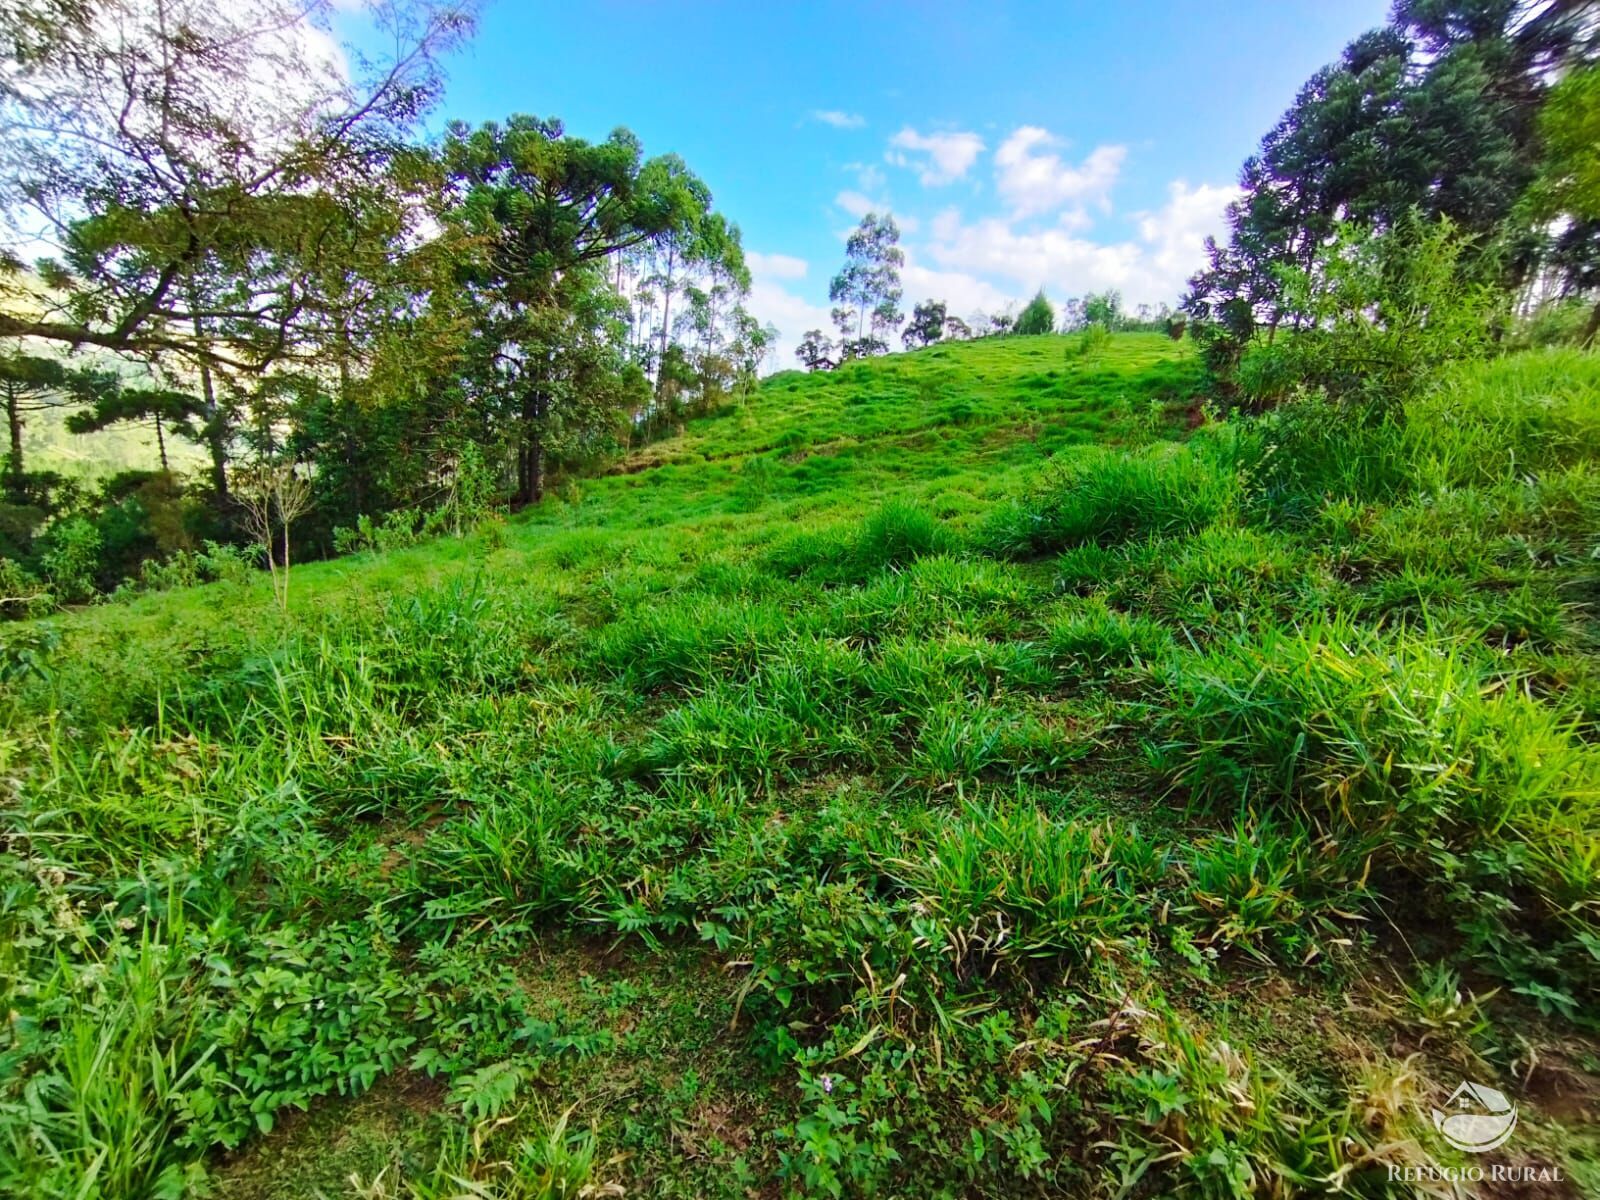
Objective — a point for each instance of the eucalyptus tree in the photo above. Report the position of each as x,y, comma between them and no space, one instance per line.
715,281
866,292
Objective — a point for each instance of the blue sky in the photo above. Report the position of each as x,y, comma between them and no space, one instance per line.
1072,146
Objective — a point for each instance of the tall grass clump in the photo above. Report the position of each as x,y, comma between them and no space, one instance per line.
890,538
1513,418
896,535
690,640
1091,638
1105,497
122,1046
1293,459
1407,752
1006,882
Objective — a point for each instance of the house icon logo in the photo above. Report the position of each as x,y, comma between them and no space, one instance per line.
1477,1118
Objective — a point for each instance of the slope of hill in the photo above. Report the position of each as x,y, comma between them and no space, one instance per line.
965,773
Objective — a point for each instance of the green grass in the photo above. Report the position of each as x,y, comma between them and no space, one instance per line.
955,775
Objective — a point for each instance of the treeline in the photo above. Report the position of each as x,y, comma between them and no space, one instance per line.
867,294
1434,193
227,237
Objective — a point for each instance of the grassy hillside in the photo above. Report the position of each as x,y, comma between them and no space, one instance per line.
970,772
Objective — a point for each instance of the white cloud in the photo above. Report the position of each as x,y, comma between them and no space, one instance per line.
1032,178
1054,258
775,266
856,204
965,295
771,303
869,177
1150,268
939,158
1176,233
839,120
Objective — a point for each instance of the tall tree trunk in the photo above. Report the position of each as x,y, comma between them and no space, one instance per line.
214,439
536,468
14,424
219,463
541,406
530,450
666,315
161,446
354,474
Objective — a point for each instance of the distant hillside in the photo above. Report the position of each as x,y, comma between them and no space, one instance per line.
48,446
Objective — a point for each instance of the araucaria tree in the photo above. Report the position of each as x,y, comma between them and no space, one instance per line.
1435,115
30,383
866,292
546,212
182,160
245,237
191,170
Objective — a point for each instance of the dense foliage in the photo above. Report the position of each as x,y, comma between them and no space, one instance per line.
287,277
1436,119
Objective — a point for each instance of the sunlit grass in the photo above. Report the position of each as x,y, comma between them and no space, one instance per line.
939,744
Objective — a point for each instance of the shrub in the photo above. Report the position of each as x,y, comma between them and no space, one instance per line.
181,569
1378,314
1037,317
69,559
1090,343
1108,497
22,595
397,530
897,534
